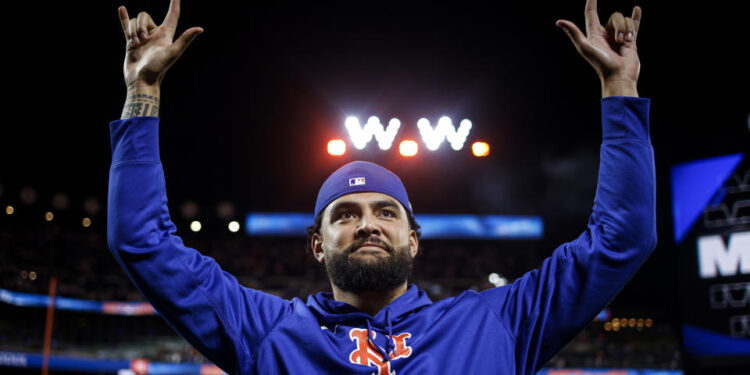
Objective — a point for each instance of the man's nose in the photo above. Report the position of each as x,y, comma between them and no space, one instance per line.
367,226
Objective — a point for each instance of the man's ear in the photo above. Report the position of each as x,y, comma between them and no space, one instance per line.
413,243
316,243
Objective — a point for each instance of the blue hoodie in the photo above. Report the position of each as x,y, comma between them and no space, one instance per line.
512,329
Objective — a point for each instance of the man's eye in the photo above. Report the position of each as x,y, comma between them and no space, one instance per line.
347,215
388,213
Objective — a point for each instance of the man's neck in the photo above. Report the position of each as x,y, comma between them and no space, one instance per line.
369,302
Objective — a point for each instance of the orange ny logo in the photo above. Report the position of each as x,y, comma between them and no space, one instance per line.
367,354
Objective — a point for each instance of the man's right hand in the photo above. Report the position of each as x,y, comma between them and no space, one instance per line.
150,48
149,53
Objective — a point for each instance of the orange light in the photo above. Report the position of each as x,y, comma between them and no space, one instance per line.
480,149
408,148
336,147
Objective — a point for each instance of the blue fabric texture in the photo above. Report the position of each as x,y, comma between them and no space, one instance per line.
358,177
513,329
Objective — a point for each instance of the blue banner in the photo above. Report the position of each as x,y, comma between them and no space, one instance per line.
433,226
77,364
73,304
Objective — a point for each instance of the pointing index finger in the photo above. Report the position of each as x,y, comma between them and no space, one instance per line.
173,14
592,16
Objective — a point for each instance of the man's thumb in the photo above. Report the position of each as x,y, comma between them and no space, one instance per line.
185,39
575,35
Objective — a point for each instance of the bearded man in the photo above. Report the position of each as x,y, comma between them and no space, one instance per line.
365,234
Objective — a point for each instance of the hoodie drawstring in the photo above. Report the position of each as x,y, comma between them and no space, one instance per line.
389,344
389,340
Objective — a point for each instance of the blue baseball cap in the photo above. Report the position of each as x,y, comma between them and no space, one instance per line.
360,177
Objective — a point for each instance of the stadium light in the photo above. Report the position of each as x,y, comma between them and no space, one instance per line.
49,216
195,226
408,148
234,226
139,366
86,222
336,147
480,149
10,210
497,280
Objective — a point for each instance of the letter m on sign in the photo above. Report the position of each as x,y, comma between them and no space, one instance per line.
715,259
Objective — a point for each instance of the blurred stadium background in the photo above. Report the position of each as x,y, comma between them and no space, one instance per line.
247,116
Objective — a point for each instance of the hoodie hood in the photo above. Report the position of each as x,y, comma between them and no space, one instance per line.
332,312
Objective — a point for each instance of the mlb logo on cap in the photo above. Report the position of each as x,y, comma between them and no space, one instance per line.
356,181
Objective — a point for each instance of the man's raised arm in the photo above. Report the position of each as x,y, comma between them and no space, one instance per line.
206,305
547,307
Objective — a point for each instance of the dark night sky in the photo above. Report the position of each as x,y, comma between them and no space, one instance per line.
247,110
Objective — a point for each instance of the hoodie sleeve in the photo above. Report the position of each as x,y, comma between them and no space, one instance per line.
546,307
206,305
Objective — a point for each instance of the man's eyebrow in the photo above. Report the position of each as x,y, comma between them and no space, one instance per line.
384,203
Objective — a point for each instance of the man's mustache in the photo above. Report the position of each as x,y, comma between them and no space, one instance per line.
353,247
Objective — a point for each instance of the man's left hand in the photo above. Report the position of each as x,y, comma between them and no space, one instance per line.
610,49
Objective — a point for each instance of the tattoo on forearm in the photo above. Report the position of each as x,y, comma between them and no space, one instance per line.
140,105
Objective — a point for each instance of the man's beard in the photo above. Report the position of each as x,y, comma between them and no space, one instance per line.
356,275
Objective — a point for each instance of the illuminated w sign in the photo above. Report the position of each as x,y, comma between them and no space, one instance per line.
361,136
432,138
